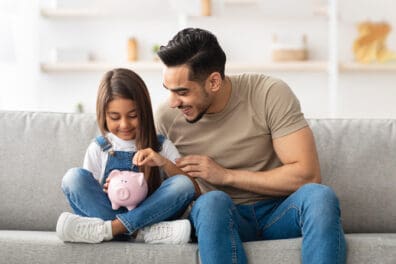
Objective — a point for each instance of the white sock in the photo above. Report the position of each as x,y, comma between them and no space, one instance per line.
108,231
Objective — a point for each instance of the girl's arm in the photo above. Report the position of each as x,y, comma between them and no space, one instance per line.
148,157
93,160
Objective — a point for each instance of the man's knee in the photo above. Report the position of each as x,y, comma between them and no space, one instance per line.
321,199
213,202
320,192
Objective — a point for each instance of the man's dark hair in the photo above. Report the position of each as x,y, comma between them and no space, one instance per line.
198,49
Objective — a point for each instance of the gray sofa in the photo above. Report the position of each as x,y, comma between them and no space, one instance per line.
358,159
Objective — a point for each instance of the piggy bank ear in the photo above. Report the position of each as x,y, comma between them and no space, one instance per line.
140,178
113,173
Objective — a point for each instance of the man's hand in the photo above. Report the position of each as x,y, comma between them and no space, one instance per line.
203,167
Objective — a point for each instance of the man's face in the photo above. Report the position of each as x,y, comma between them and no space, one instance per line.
192,98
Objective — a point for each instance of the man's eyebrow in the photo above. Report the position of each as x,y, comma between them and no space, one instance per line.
178,89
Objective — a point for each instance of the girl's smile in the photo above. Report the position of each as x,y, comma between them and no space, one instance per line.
121,118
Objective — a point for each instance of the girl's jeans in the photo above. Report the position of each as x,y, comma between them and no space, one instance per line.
311,212
86,197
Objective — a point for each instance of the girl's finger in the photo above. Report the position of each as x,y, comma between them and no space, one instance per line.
136,160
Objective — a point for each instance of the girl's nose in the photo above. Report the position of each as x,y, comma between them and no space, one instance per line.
124,123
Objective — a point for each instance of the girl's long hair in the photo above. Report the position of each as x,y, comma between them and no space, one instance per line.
126,84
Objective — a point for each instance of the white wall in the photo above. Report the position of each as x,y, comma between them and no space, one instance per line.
244,31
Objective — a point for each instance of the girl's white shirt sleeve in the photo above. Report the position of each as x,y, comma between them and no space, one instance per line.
169,151
94,159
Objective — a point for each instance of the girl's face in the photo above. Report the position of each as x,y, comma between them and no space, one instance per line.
121,118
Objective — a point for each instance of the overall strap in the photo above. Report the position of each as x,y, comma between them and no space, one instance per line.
103,143
161,140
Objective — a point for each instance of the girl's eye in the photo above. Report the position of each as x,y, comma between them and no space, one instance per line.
114,118
132,116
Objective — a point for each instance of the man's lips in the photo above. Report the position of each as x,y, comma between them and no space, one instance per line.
186,110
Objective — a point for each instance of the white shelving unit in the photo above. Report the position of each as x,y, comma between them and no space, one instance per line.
332,66
67,13
330,60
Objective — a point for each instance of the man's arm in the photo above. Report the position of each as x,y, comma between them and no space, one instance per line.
296,151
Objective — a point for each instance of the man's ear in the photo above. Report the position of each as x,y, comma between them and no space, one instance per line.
215,81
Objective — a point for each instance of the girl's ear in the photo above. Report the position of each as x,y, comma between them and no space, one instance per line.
215,81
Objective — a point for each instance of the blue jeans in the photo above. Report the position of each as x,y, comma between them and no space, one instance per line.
86,197
311,212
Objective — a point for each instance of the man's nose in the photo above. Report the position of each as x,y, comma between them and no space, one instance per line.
174,101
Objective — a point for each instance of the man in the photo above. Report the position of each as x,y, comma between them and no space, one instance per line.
253,154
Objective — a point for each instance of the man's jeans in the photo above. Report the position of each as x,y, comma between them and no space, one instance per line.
87,198
311,212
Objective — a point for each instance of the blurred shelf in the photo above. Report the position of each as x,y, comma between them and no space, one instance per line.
233,67
98,66
359,67
54,13
248,2
305,66
71,13
294,66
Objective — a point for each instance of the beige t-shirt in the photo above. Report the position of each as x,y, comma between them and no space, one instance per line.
260,109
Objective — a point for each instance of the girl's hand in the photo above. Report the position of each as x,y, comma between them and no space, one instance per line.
106,185
148,157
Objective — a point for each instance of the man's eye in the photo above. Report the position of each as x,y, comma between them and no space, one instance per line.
182,93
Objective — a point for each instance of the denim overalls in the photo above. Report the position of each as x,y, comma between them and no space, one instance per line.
87,198
118,160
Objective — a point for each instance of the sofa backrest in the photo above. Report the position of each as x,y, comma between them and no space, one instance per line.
357,159
36,149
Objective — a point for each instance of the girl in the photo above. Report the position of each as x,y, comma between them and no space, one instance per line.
128,142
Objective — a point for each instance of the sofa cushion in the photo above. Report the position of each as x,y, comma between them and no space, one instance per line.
45,248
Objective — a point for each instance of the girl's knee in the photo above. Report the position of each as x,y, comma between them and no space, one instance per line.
74,178
180,183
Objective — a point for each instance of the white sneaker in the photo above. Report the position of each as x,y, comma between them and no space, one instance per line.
75,228
171,232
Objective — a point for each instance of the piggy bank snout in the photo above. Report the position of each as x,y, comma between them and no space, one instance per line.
122,193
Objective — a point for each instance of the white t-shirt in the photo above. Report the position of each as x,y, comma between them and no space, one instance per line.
95,159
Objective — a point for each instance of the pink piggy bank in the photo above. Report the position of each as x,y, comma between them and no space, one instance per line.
126,188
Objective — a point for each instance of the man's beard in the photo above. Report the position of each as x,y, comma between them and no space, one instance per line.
205,108
199,116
